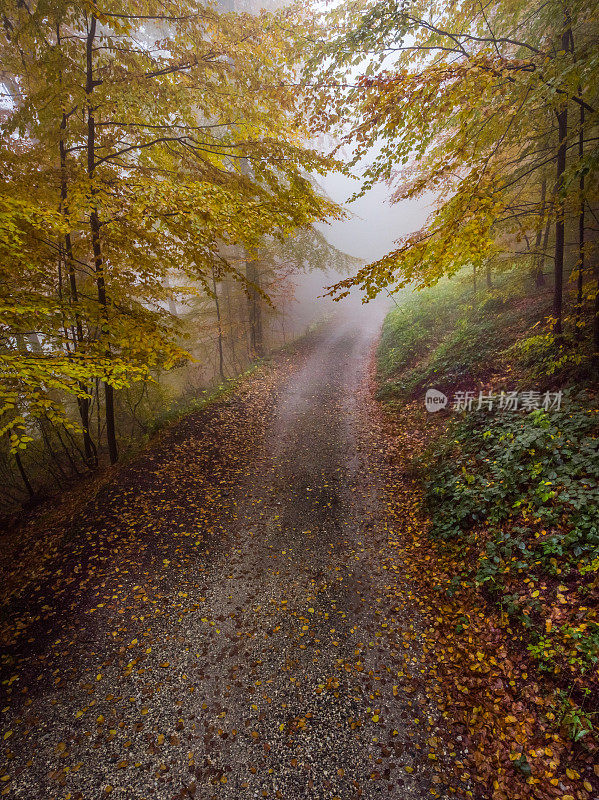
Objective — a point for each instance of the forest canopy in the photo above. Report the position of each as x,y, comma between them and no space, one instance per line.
493,108
152,155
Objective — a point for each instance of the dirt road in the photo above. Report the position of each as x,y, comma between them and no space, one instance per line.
268,663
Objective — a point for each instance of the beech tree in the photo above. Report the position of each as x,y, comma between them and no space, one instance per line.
494,108
121,158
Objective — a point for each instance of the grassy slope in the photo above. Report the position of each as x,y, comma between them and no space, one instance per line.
512,497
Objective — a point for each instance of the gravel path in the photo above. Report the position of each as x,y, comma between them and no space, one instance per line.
267,662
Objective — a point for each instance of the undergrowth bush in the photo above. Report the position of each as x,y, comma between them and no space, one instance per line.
540,356
442,337
531,479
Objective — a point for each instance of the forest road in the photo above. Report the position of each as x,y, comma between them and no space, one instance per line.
273,671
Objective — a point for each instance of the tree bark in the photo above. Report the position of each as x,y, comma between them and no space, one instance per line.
254,309
23,474
231,323
221,368
94,223
581,264
91,455
562,131
544,251
596,324
539,257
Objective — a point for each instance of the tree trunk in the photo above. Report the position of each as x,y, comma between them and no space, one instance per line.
91,455
24,475
541,274
489,278
581,264
44,431
231,331
221,368
253,295
94,223
539,257
562,126
596,324
254,309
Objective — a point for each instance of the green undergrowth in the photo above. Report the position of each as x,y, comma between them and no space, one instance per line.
444,337
540,466
514,495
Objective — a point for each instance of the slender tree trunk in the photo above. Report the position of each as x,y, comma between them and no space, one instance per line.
539,257
581,264
221,368
23,474
489,278
559,224
91,455
98,418
259,320
596,324
231,331
94,223
562,126
67,452
254,309
541,273
253,295
250,304
474,280
50,449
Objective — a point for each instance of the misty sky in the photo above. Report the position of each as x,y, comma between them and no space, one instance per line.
368,233
375,225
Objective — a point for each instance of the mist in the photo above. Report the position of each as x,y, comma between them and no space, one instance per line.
371,228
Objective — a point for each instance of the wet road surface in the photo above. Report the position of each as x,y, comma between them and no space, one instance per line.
273,667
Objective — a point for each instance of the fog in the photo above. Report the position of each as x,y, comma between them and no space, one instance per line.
370,230
374,225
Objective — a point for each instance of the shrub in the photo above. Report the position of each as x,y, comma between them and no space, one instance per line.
515,473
